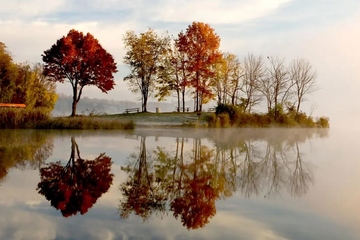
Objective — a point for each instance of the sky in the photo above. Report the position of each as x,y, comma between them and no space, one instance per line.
325,32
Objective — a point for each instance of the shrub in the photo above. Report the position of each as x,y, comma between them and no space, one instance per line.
231,110
224,120
323,122
210,119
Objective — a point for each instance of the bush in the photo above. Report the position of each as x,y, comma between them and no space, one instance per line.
210,119
323,122
223,120
231,110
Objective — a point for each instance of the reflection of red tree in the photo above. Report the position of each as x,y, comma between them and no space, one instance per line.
3,172
78,185
197,203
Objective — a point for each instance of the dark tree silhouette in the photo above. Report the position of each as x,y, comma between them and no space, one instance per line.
76,186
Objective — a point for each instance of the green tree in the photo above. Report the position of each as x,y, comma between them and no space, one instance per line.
82,61
145,55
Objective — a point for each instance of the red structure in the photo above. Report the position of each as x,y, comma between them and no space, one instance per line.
12,105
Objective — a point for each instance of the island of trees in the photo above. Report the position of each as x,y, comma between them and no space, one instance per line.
189,66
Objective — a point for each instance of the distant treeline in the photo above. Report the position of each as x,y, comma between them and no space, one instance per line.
89,106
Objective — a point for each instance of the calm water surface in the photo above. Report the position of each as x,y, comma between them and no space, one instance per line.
180,184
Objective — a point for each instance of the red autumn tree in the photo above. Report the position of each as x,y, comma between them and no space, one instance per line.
77,186
201,45
82,61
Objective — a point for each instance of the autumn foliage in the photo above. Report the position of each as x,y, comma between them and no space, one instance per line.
189,190
201,45
82,61
77,186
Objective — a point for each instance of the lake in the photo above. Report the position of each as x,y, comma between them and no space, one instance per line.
180,184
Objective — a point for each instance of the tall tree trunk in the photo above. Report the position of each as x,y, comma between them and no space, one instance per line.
73,111
145,104
197,91
74,103
178,99
183,99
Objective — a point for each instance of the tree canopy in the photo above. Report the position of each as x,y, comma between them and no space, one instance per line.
24,83
201,45
77,186
145,55
82,61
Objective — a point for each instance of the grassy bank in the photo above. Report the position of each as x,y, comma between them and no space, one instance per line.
37,119
85,122
22,118
222,120
165,119
41,119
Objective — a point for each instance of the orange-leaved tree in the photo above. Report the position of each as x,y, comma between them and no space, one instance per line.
82,61
201,45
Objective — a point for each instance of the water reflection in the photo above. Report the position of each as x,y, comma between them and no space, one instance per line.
76,186
189,182
23,149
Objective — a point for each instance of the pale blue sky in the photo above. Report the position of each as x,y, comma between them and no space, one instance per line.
326,32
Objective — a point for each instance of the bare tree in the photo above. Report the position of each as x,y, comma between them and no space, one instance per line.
276,85
253,74
303,76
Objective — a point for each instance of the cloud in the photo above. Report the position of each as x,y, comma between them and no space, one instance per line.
214,11
28,9
19,224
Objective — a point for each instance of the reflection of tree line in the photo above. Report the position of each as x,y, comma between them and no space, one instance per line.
23,149
72,188
188,183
